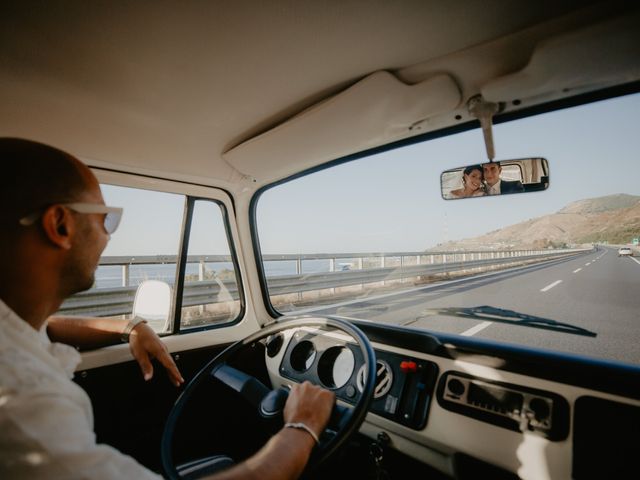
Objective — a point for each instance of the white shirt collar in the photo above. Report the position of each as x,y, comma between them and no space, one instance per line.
495,189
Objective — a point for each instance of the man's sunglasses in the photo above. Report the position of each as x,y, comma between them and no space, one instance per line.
111,219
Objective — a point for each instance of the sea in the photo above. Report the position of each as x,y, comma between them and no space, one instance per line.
108,276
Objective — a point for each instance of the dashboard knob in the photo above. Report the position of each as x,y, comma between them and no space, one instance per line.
455,386
350,391
409,366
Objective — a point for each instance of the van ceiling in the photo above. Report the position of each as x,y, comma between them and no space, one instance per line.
165,87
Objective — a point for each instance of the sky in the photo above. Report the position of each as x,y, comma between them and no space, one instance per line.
152,222
392,201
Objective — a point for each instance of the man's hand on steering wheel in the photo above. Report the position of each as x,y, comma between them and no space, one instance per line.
309,405
305,407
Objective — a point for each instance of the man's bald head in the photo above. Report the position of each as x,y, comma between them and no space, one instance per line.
45,261
34,176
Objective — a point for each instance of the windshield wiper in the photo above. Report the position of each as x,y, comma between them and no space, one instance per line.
493,314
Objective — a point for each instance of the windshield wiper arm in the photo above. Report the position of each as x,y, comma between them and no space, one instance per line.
493,314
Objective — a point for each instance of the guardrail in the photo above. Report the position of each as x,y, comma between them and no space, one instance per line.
318,281
119,300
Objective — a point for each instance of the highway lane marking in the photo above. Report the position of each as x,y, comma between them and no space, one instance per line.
635,260
587,264
472,331
551,285
577,270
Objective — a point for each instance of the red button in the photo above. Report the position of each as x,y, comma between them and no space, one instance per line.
408,366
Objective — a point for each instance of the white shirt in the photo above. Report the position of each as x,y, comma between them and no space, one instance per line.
46,420
495,189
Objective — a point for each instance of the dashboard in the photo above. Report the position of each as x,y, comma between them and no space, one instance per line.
404,385
444,408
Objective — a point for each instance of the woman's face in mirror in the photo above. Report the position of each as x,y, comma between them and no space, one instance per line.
473,179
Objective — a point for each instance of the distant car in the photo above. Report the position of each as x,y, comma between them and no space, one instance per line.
625,251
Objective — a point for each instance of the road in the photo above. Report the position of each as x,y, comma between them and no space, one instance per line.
598,291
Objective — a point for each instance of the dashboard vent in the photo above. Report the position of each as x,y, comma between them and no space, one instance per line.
384,379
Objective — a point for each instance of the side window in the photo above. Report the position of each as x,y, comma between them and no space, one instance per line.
511,173
211,295
145,247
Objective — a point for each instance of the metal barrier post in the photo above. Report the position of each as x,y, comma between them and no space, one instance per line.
125,275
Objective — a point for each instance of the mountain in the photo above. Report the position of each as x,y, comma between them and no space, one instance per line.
601,204
614,219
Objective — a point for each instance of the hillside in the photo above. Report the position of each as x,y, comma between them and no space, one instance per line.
614,219
601,204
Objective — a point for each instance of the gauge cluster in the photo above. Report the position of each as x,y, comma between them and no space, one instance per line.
404,385
324,360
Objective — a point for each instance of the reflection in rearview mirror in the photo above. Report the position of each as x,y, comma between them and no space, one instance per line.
495,178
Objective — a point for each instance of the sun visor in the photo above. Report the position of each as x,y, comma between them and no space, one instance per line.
579,61
374,111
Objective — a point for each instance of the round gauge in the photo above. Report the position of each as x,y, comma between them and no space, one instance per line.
343,367
303,356
336,366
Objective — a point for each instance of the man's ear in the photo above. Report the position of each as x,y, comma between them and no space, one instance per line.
59,226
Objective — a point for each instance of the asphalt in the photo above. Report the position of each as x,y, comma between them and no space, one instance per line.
598,291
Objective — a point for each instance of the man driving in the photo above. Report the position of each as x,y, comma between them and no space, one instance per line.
55,226
495,185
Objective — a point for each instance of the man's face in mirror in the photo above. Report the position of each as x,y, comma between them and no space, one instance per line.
491,173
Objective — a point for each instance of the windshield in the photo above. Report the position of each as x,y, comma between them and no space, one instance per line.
374,239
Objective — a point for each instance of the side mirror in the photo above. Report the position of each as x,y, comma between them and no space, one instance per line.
153,303
520,175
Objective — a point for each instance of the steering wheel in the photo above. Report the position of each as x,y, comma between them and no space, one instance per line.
344,422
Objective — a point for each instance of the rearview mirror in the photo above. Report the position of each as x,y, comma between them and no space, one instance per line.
495,178
153,303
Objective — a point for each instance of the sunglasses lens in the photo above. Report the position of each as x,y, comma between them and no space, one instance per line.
111,221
